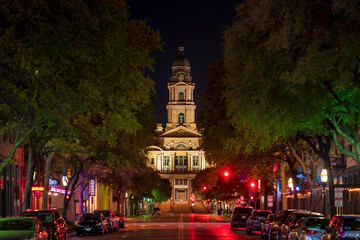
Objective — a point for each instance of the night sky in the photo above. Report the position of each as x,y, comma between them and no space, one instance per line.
198,26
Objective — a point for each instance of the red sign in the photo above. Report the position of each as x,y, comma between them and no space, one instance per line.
38,194
270,200
338,197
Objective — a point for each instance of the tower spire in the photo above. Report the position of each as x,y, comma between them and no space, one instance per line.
181,50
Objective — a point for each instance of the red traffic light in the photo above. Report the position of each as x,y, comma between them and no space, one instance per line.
252,184
204,188
226,173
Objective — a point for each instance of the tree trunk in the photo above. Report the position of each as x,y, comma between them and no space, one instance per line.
48,161
323,151
283,186
74,181
29,177
118,200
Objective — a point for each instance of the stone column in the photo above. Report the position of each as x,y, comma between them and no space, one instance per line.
172,162
189,191
190,162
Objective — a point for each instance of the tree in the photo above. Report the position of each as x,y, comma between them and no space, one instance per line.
91,51
293,72
162,191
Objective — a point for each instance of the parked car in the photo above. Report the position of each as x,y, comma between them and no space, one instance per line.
22,228
291,221
52,220
156,211
92,223
256,219
280,219
239,216
343,226
121,219
309,228
113,224
265,227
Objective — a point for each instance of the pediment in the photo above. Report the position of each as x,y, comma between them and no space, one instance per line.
181,131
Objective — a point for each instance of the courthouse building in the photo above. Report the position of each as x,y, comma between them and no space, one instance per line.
177,152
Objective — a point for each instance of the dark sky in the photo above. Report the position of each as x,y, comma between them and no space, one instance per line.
198,26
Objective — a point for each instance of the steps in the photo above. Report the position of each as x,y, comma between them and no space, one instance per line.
181,208
165,207
200,208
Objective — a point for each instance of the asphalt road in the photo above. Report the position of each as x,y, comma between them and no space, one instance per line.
173,226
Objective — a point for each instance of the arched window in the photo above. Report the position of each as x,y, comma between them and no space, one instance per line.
181,147
181,96
181,118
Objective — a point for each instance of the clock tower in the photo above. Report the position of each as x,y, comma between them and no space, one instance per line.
181,106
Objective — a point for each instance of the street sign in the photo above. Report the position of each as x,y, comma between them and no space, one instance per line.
338,195
242,201
270,200
38,194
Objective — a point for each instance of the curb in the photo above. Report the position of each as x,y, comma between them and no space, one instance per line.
71,234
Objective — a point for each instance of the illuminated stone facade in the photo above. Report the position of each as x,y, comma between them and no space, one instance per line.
177,153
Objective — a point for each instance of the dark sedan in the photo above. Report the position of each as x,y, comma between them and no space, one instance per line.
256,220
239,216
266,226
91,223
291,221
276,226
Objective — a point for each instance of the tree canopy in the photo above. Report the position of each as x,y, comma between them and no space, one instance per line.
293,69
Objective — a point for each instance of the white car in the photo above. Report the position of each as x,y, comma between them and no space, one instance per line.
309,228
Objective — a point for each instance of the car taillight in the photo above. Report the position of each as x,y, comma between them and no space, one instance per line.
307,231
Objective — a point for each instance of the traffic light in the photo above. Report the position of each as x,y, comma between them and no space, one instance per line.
252,185
204,188
226,175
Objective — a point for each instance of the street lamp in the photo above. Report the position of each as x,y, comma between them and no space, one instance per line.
291,186
324,179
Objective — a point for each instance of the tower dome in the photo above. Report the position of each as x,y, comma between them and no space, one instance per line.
181,59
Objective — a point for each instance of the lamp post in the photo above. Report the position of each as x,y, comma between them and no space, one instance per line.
291,186
324,179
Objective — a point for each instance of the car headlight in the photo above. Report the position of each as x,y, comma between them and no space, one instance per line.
98,225
80,226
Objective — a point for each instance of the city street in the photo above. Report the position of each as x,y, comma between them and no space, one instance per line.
177,226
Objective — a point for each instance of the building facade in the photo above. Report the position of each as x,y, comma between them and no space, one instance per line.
12,179
176,152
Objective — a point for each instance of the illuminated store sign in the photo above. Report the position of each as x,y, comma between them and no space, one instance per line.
92,187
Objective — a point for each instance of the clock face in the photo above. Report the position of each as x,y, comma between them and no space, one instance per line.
181,77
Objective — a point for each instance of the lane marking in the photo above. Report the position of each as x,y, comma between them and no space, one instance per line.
181,228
